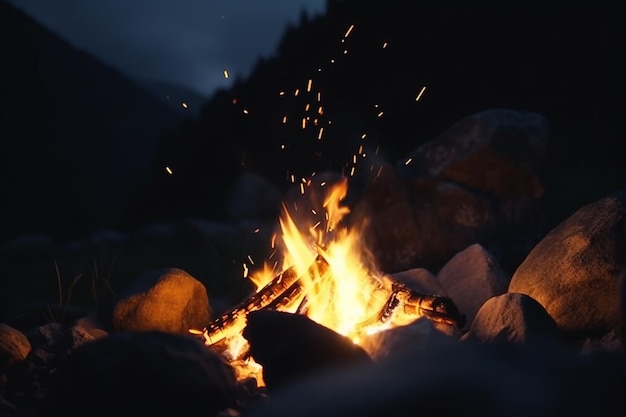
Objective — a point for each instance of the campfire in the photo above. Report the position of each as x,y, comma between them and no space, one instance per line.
327,275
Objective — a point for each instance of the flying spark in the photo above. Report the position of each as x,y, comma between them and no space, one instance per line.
420,93
348,31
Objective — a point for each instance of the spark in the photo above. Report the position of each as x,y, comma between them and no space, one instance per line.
320,110
379,114
169,170
319,135
385,44
250,259
363,135
184,105
304,123
420,93
319,96
282,93
245,111
348,31
307,107
245,270
295,93
226,74
284,119
408,161
301,188
308,87
257,230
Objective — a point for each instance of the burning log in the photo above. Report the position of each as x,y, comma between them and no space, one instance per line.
438,308
286,291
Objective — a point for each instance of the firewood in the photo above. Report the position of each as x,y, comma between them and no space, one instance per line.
285,292
281,292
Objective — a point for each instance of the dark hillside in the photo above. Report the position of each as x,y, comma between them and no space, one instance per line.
77,136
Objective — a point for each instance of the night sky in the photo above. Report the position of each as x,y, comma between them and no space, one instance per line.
187,43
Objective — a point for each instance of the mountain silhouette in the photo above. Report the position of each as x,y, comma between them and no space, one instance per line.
77,136
87,148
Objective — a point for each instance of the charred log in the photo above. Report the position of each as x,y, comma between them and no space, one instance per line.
282,291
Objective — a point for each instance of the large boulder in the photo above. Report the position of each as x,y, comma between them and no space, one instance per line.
574,271
480,181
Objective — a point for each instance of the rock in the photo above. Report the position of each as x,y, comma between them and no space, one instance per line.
513,318
168,300
291,347
573,272
471,277
480,181
420,280
253,198
14,345
462,378
155,372
388,343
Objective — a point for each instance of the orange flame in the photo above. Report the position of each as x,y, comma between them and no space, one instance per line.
346,297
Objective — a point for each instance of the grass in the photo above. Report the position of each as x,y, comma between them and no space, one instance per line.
41,274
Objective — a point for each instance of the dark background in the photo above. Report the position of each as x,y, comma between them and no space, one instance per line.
85,148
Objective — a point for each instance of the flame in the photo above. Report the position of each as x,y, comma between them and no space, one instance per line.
345,297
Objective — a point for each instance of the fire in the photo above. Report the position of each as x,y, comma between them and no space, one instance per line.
341,297
326,274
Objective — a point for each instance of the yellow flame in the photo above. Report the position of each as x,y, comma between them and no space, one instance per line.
344,297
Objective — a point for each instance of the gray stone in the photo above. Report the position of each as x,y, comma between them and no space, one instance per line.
513,318
471,277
